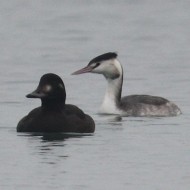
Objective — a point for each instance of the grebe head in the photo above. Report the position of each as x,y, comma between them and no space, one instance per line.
51,87
106,64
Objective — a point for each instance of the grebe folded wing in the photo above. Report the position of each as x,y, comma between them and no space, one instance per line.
146,105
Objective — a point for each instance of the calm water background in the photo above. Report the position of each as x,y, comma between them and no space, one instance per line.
153,42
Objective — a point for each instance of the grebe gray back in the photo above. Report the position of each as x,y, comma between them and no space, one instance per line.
134,105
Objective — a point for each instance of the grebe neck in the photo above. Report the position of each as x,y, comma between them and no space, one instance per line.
112,96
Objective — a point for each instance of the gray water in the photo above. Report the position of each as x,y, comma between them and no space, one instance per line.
152,39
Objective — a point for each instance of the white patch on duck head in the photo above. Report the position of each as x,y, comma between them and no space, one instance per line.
47,88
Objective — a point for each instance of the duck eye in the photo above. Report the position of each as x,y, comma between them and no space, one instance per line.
97,64
47,88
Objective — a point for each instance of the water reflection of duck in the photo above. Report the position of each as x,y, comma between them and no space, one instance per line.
54,115
133,105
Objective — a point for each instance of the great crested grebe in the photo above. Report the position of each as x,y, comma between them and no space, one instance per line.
134,105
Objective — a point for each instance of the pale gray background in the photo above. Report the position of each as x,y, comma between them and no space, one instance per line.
152,39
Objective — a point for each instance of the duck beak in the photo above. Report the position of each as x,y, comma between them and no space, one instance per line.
36,94
86,69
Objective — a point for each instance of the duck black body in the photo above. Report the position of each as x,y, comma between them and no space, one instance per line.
54,115
134,105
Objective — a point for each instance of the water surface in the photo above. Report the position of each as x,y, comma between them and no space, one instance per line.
152,39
